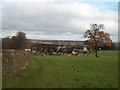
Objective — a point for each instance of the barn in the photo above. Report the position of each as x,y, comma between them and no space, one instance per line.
52,49
45,48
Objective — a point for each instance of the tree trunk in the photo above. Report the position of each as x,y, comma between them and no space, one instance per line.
96,52
96,49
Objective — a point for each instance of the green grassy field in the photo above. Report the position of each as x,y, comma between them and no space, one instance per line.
68,72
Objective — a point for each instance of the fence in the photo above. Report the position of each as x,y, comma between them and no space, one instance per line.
14,60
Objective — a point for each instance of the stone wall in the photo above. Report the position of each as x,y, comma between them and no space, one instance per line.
14,60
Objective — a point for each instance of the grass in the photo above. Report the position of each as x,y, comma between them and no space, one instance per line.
68,72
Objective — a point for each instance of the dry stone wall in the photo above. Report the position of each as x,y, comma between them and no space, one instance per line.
14,60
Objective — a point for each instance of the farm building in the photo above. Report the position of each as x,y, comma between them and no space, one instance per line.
50,49
45,48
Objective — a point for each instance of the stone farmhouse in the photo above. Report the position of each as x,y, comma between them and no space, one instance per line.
57,48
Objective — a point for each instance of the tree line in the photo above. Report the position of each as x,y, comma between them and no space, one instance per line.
17,42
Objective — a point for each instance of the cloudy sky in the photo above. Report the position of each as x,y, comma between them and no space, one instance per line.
58,19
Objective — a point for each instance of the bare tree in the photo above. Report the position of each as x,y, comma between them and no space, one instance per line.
19,41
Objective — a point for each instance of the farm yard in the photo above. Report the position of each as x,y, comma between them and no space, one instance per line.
67,72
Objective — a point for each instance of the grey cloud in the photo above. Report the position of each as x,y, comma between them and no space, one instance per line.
54,20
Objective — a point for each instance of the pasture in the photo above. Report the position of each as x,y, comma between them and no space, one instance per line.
68,72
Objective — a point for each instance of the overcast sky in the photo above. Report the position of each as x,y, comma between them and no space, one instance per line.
58,20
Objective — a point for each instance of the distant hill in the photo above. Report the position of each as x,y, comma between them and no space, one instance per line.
69,42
